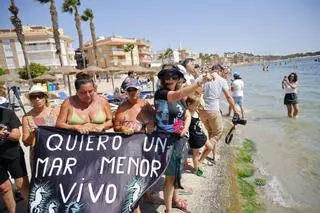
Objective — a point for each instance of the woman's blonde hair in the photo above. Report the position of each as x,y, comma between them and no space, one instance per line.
192,99
3,90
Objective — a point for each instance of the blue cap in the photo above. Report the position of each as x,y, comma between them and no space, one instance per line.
132,84
236,75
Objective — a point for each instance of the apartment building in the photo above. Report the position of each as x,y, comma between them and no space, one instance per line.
110,52
178,55
40,47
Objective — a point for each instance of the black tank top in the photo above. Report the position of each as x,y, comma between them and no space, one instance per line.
195,129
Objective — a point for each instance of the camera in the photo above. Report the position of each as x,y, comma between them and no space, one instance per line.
237,120
3,137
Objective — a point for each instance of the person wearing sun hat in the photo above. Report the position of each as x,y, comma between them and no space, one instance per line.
171,117
41,114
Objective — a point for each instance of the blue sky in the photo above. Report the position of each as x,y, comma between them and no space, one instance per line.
210,26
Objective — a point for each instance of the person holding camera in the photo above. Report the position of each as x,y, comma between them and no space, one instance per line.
11,159
290,85
211,115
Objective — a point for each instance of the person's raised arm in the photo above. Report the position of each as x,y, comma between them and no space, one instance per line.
293,85
283,83
185,91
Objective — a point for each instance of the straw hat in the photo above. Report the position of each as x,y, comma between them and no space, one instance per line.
37,89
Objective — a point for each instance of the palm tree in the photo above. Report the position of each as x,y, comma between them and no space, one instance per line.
88,15
55,26
71,6
18,28
168,54
161,57
129,48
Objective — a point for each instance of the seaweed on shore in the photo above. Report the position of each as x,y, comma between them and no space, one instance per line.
244,170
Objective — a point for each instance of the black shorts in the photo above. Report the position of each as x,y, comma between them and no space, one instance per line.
196,142
16,167
290,98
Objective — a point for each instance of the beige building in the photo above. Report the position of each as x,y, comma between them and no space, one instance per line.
110,52
40,47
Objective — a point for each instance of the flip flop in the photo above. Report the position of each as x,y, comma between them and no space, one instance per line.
210,161
181,205
200,171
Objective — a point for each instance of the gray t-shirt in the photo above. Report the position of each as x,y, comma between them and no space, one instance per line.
212,92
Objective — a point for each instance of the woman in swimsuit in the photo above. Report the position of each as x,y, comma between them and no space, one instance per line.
136,115
42,114
86,111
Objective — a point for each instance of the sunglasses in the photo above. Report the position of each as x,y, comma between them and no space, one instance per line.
35,96
173,77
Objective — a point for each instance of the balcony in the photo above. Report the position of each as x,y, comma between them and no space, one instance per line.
40,48
144,51
117,51
119,62
145,60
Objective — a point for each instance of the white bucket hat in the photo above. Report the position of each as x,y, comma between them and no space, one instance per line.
37,89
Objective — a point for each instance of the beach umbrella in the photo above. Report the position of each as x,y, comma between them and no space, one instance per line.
65,70
112,70
44,78
94,69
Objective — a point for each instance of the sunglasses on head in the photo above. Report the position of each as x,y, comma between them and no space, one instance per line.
35,96
171,76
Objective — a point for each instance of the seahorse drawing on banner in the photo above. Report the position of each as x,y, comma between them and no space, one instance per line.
38,196
73,207
52,206
133,191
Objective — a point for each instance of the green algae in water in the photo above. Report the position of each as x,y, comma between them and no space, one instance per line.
245,170
260,181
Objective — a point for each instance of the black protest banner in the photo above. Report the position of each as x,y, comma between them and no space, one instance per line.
99,172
